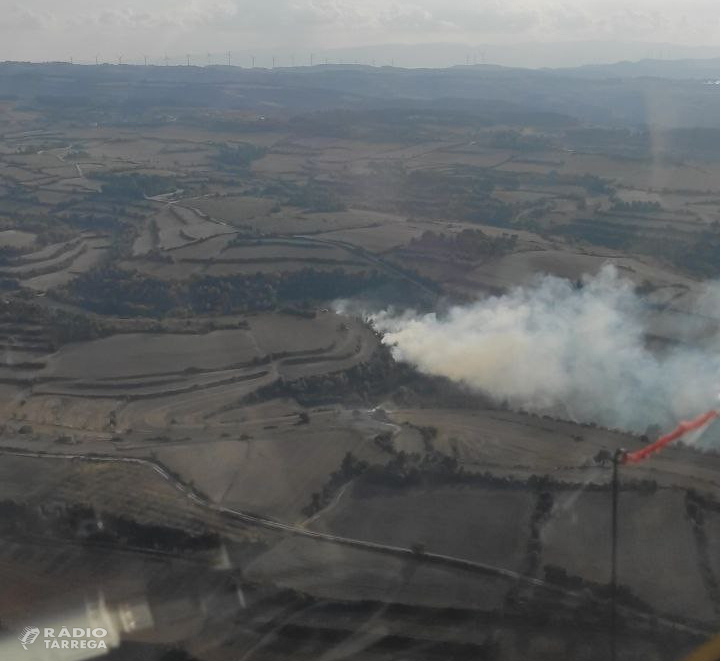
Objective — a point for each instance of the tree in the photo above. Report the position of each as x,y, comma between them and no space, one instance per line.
603,457
418,548
347,467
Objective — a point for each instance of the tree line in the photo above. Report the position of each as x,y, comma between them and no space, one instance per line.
116,291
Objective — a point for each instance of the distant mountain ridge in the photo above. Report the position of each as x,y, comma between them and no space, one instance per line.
686,69
663,94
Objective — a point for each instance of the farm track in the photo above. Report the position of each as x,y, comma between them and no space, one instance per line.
246,518
305,241
374,259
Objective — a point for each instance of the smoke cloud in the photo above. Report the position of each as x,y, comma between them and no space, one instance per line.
575,352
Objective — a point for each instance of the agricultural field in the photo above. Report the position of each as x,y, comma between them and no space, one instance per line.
195,266
496,533
332,572
680,590
493,526
149,381
299,459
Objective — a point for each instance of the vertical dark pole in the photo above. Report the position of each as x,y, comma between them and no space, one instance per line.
617,460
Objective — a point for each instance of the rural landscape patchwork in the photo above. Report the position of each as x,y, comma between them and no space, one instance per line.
335,362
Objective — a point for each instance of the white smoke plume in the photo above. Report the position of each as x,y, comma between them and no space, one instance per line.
577,353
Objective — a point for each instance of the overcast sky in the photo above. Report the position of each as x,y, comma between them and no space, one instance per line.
58,29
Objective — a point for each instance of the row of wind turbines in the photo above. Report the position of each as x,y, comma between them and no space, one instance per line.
212,59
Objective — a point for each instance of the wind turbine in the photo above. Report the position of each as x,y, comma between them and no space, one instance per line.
145,58
228,55
209,59
188,59
312,56
253,61
96,60
273,66
166,59
120,60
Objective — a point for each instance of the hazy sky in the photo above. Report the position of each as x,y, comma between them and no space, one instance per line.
57,29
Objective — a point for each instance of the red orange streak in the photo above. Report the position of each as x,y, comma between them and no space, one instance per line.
682,429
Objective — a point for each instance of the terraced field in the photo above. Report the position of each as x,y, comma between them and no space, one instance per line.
57,264
152,381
